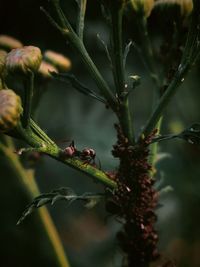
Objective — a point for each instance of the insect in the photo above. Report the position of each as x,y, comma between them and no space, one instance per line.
87,154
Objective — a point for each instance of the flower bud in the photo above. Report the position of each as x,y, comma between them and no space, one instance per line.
59,61
9,43
3,55
10,110
186,6
45,69
23,60
143,7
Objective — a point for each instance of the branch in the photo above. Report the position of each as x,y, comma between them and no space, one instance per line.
69,34
190,55
39,140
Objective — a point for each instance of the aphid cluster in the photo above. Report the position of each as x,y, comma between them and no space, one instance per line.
135,200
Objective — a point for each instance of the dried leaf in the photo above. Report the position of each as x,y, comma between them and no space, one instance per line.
63,193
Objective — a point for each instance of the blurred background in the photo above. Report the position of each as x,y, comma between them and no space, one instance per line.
88,236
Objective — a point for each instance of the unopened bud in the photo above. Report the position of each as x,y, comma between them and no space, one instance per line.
45,69
9,43
143,7
10,110
23,60
3,55
59,61
186,6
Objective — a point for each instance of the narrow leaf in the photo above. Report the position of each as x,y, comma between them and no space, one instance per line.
126,52
69,78
105,48
191,135
63,193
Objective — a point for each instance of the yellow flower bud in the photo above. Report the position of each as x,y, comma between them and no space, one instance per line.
186,6
23,60
10,110
9,43
61,62
46,68
143,7
3,55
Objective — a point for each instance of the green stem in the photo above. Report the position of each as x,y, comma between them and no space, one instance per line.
69,34
124,114
147,50
96,174
36,140
190,54
165,99
154,147
28,93
81,18
92,69
117,48
41,133
27,180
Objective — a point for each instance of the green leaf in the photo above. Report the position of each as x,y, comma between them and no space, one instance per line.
126,52
63,193
190,134
69,78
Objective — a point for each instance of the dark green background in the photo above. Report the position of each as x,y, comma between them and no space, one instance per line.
88,236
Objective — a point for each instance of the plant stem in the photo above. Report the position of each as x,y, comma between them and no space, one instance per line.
92,69
81,18
26,177
36,140
165,99
117,48
28,93
69,34
154,147
119,71
93,172
147,50
190,54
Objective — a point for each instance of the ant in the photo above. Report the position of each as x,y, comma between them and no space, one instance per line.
87,154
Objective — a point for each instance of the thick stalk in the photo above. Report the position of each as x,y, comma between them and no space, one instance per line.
27,179
119,71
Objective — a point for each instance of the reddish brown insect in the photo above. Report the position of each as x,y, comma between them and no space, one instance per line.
87,154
